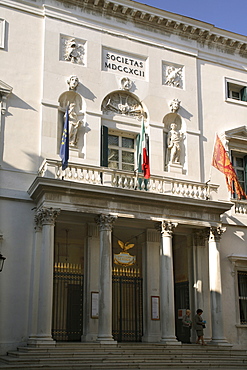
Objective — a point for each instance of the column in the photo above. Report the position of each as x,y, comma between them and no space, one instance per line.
91,283
167,305
105,223
215,286
151,274
35,276
45,297
200,273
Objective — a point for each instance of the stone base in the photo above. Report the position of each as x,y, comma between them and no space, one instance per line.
175,168
220,342
106,340
171,342
40,341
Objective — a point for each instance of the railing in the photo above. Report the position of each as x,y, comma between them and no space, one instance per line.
240,206
127,180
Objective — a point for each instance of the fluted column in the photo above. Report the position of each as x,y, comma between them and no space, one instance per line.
105,223
167,305
45,296
215,286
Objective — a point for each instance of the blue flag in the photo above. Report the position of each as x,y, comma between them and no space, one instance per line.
64,148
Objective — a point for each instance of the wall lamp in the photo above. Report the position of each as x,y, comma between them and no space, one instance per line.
2,259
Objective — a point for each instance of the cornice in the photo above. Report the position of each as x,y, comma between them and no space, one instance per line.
203,33
146,16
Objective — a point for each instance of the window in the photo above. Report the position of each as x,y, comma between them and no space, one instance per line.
236,90
117,150
239,161
242,292
121,153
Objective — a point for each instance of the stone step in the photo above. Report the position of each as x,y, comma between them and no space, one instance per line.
125,356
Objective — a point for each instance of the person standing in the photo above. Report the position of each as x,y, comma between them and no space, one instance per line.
187,323
199,326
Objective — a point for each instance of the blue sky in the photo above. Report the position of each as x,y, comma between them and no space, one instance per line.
227,14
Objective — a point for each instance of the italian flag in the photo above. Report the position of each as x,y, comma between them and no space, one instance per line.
143,153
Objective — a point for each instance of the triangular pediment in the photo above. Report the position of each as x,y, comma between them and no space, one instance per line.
239,133
5,89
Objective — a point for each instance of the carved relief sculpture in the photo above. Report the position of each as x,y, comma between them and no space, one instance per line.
73,51
174,144
174,76
122,103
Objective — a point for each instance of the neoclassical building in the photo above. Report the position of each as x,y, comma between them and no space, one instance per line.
95,251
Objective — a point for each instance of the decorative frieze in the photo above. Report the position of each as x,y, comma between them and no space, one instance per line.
122,103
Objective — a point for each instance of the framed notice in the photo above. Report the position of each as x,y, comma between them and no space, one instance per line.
155,307
94,305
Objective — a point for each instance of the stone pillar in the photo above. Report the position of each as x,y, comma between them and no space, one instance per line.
91,282
167,304
151,284
201,295
105,223
34,291
215,286
45,297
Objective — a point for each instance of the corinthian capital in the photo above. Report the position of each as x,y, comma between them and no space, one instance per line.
48,215
166,227
105,222
216,232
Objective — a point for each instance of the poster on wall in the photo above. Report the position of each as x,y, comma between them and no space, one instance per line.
155,308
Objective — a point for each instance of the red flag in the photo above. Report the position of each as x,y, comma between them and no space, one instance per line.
222,162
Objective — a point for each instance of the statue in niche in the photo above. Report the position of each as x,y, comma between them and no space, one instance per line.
74,124
122,103
73,52
174,144
173,76
73,101
175,105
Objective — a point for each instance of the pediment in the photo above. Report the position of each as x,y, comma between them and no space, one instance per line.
5,89
239,133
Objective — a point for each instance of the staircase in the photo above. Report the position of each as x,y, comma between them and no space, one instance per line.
125,356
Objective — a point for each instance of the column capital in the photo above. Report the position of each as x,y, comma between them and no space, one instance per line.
38,221
216,232
105,222
47,216
166,227
201,236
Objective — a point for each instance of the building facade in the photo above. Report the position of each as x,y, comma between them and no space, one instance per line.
95,251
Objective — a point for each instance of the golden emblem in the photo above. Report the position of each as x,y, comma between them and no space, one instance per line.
124,258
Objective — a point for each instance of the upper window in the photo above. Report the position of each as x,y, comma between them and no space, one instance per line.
121,153
236,91
117,150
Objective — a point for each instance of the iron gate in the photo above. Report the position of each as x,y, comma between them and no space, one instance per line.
127,314
67,302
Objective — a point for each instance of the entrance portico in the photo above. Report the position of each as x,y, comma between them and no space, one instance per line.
126,210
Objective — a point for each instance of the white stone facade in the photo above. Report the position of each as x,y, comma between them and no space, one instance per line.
130,62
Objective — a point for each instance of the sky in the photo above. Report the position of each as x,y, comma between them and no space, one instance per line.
227,14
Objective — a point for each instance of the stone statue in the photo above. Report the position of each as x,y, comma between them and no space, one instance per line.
175,105
73,82
74,124
174,144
